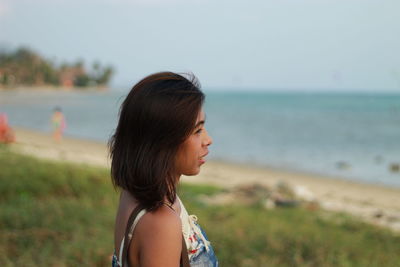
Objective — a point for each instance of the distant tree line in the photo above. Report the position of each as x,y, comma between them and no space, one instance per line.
26,67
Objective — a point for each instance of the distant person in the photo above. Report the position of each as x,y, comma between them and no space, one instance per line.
160,137
58,124
6,132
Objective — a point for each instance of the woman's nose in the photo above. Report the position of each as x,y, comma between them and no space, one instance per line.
207,139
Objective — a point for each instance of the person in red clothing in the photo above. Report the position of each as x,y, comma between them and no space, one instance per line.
6,132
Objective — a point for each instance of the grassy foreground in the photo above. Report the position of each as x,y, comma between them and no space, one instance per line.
58,214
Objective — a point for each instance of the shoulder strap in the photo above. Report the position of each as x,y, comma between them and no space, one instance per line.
184,254
128,234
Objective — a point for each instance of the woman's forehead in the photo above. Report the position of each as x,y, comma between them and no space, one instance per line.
201,116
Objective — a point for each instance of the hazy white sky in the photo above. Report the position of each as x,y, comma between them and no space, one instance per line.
295,44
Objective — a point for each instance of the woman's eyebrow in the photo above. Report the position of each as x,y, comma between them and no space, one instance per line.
199,123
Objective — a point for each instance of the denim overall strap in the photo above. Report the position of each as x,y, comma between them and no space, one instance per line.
184,262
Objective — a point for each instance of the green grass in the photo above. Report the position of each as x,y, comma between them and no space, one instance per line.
58,214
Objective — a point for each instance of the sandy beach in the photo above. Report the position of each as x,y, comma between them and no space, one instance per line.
374,203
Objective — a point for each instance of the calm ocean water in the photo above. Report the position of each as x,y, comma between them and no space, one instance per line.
354,136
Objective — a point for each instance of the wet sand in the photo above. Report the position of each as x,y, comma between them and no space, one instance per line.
374,203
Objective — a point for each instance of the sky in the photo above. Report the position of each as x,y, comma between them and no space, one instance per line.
305,45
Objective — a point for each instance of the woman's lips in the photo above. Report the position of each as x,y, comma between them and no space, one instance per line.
202,158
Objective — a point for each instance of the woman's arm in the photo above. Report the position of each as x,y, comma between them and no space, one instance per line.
159,236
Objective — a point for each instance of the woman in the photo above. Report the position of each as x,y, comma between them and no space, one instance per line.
160,136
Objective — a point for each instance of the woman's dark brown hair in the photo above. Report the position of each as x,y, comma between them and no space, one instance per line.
156,117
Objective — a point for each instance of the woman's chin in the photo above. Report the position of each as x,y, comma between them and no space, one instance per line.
192,172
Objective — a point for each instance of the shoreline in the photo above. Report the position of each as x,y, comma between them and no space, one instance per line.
50,88
375,203
306,174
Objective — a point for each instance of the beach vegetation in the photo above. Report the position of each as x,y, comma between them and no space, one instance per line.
25,67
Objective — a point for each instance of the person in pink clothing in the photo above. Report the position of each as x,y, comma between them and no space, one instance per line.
58,124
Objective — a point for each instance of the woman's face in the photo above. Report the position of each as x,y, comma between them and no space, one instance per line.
191,154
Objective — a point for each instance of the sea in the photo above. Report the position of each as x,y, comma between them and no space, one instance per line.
344,135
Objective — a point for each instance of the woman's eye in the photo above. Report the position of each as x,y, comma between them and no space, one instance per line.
199,131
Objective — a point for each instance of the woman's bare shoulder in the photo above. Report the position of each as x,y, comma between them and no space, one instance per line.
161,220
160,233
